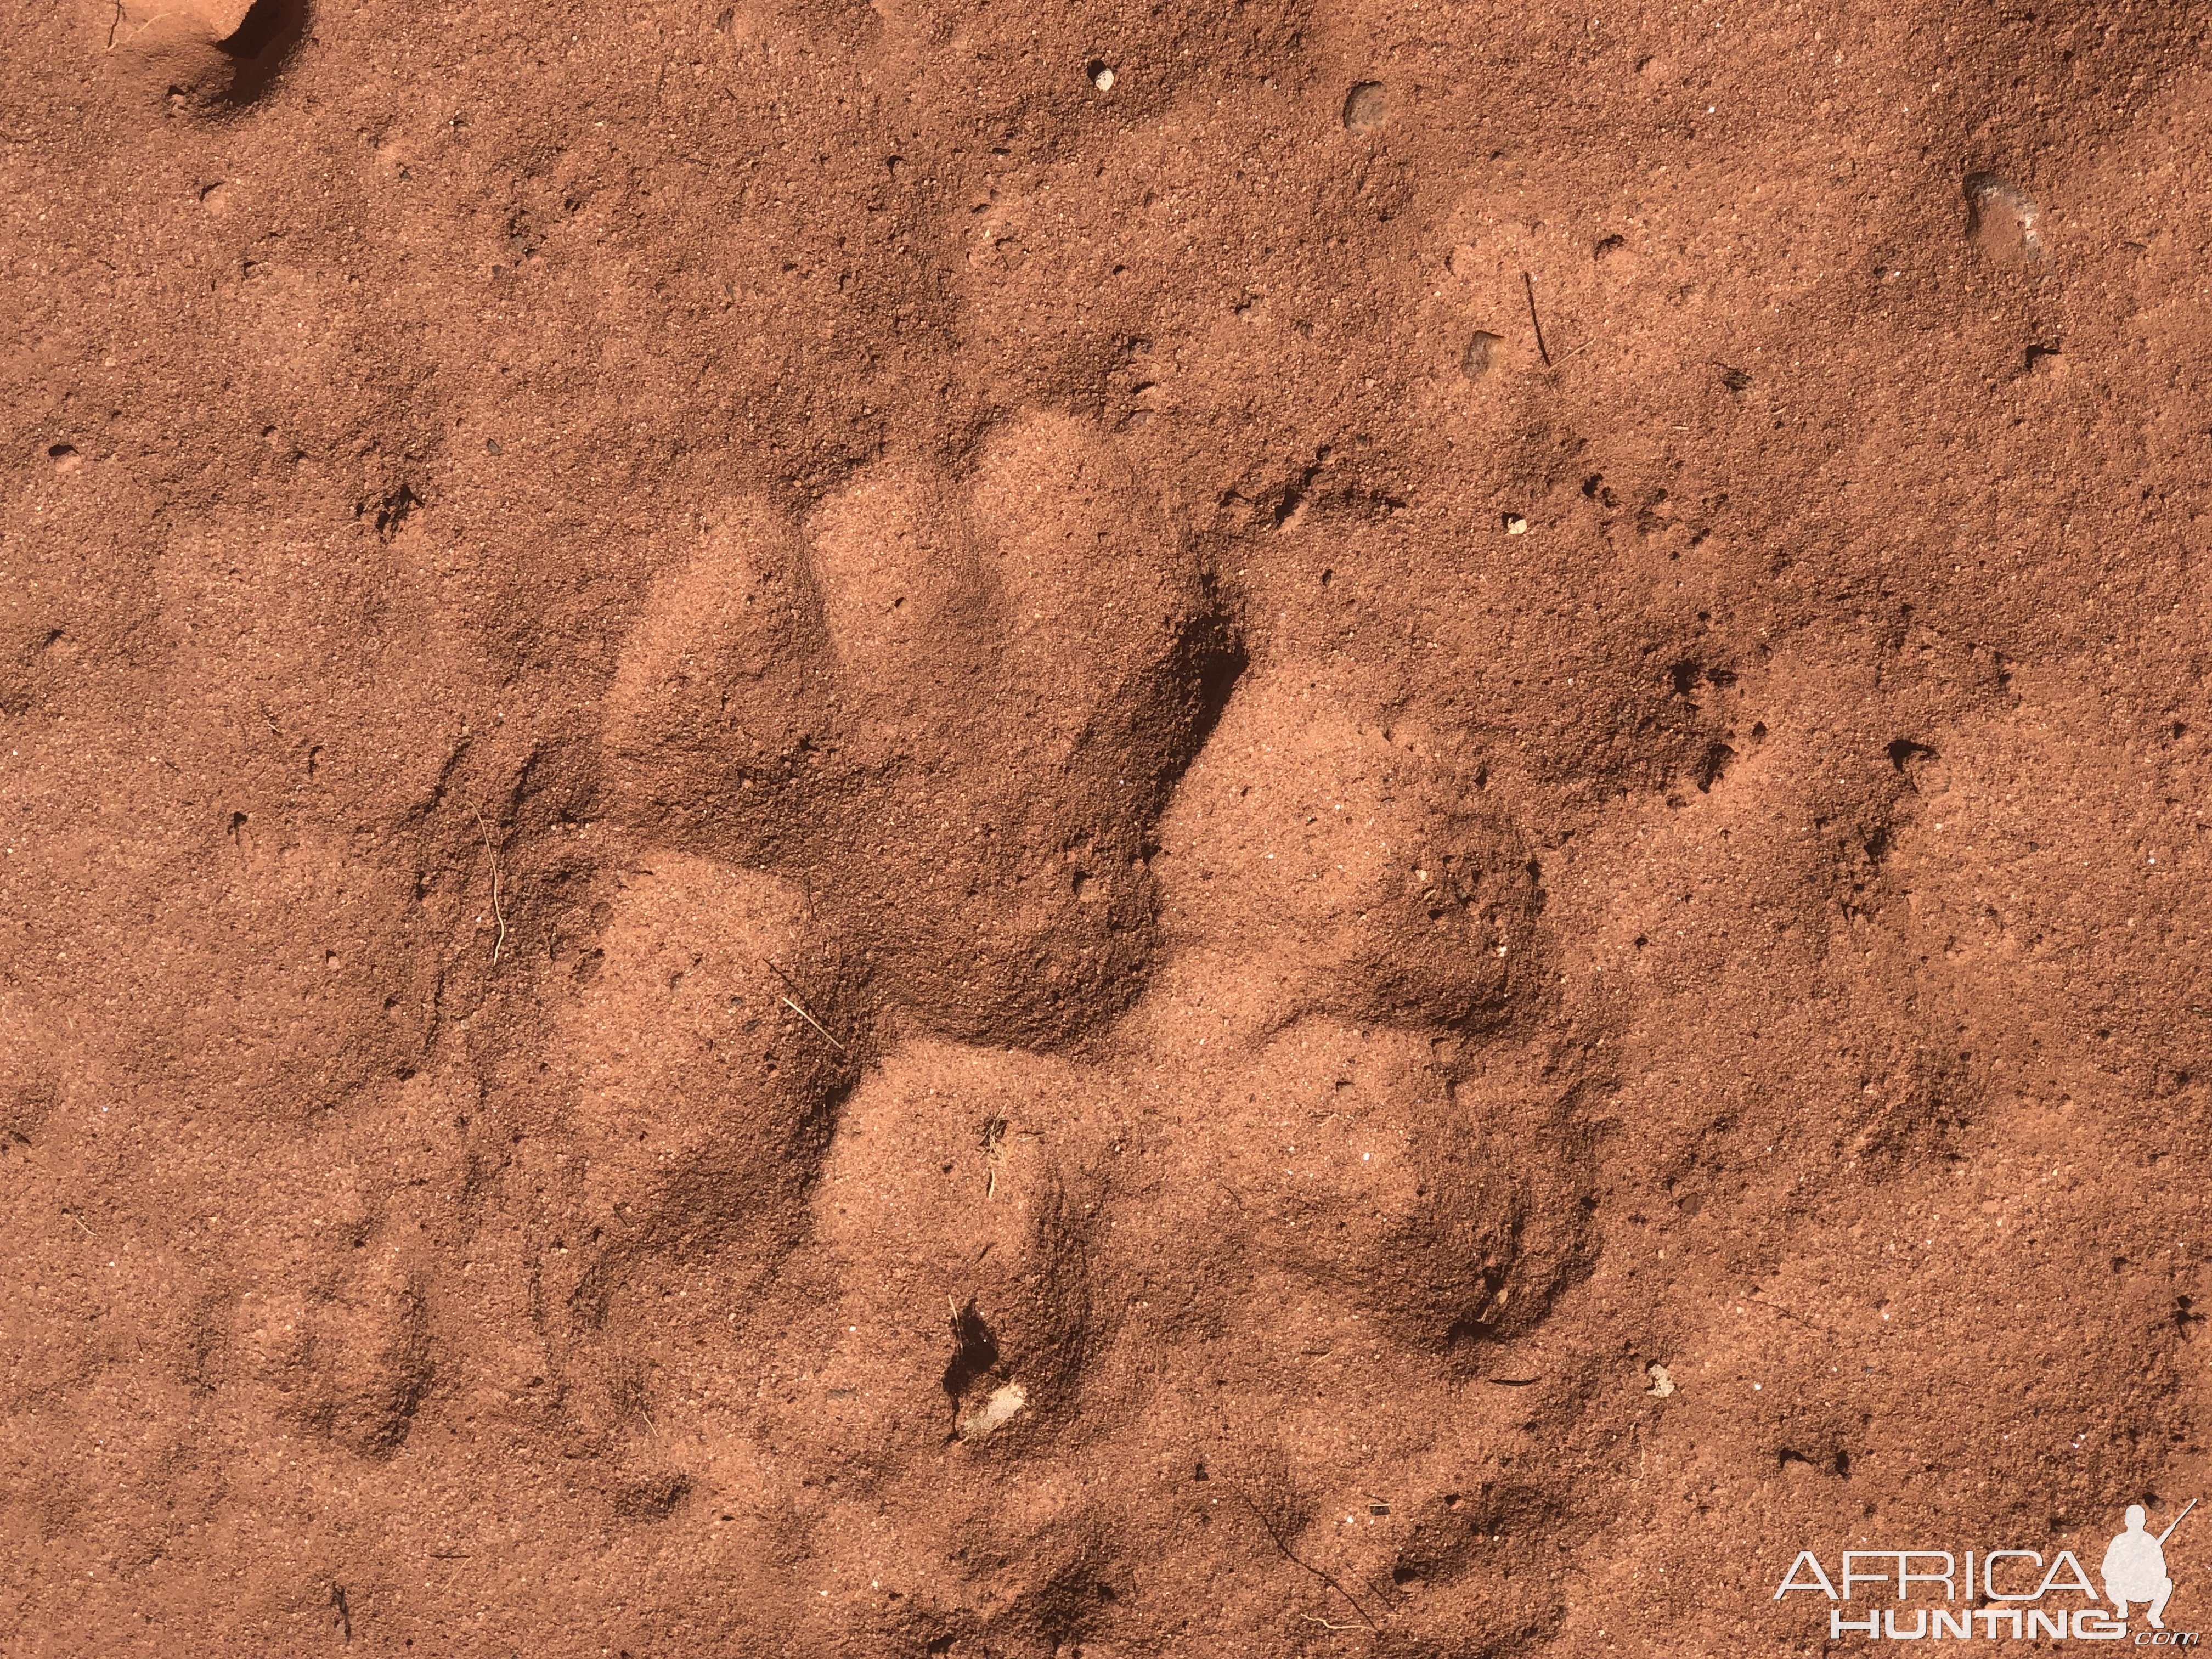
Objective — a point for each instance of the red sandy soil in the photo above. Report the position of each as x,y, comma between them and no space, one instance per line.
729,728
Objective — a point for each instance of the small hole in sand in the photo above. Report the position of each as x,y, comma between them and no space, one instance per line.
1364,107
65,458
2004,221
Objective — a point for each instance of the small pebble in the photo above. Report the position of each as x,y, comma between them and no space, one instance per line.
1481,355
1515,524
997,1410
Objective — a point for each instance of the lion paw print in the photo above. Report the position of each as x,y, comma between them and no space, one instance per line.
951,703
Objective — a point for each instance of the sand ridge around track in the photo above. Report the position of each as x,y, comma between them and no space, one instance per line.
1274,828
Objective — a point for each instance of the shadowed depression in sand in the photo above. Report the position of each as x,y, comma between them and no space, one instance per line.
1275,829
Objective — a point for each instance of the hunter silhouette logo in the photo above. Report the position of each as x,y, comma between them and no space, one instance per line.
2134,1567
2018,1593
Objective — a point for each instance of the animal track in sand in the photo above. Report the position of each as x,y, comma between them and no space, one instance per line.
1313,857
974,741
966,691
1372,874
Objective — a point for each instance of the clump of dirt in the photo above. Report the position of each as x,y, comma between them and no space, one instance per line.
899,830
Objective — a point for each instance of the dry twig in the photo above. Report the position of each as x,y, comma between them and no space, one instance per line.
1542,350
1291,1556
795,1008
497,914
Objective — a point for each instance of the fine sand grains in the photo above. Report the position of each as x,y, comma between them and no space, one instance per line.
977,830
